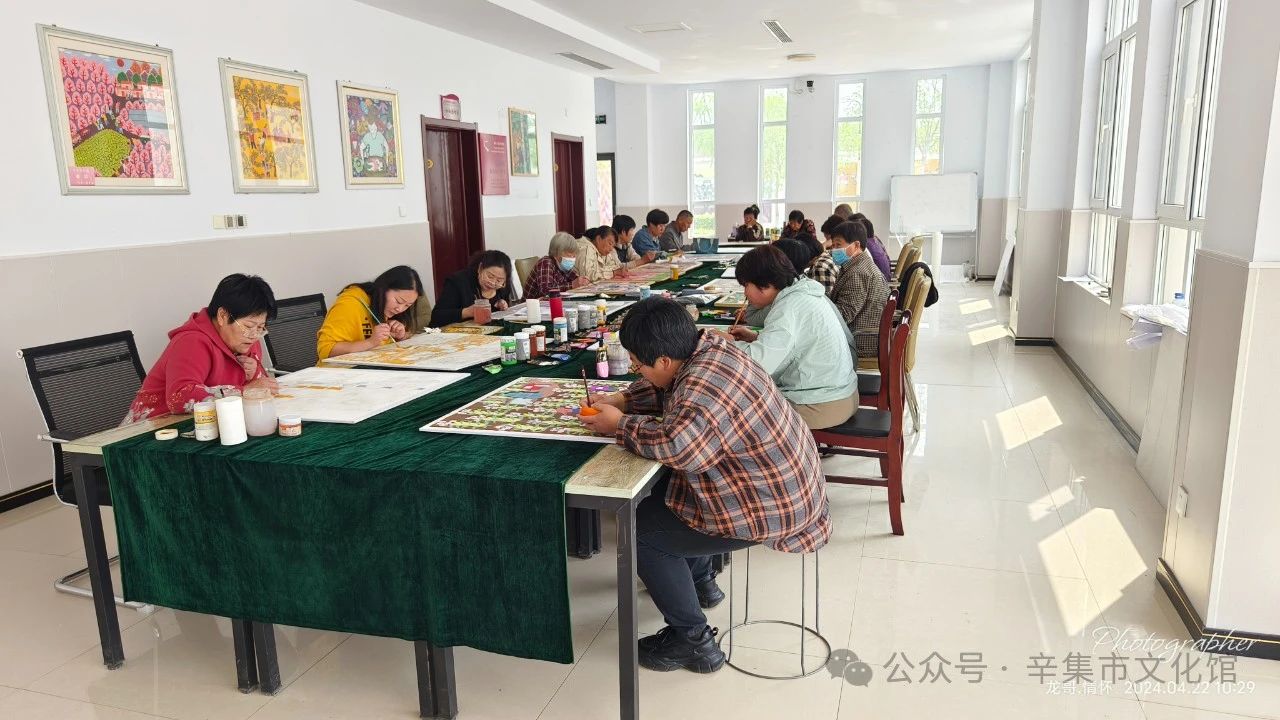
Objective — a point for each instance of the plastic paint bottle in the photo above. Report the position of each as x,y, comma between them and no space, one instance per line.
602,363
561,329
557,305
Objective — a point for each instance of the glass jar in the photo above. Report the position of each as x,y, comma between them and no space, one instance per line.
619,360
259,412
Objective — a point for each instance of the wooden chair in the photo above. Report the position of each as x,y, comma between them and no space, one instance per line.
877,433
871,389
909,256
914,305
524,266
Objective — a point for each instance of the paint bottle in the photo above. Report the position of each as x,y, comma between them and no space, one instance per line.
619,361
586,316
538,340
522,346
602,363
557,305
572,317
508,347
206,421
533,310
602,312
561,329
290,425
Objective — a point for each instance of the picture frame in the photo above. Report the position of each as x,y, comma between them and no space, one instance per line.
269,132
113,111
369,120
522,133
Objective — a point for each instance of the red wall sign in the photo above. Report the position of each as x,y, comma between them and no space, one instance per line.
495,170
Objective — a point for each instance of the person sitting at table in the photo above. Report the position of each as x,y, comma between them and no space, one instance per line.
843,211
796,224
624,226
555,270
598,259
676,237
646,238
744,471
878,252
370,314
860,291
486,277
216,347
800,255
750,230
804,344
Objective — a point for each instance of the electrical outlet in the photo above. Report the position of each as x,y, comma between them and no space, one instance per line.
1180,501
228,222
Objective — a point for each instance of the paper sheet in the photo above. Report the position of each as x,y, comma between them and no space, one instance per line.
347,395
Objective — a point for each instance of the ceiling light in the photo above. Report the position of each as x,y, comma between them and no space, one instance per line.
776,30
802,57
659,28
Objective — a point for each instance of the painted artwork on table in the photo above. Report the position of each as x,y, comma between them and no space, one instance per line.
370,136
544,408
731,292
114,111
345,395
436,351
523,134
268,128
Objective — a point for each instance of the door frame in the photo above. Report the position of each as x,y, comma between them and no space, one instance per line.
580,203
470,134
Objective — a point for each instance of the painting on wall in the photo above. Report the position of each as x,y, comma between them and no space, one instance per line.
114,111
268,128
370,136
523,135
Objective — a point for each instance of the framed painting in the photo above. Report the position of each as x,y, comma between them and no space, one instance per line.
113,106
523,127
370,136
268,128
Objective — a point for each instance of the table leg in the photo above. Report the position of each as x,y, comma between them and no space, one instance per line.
246,663
437,688
264,647
95,550
628,628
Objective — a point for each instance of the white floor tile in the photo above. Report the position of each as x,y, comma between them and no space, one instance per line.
985,700
25,705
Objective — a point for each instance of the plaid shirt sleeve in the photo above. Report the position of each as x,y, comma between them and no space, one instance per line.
824,271
642,398
676,439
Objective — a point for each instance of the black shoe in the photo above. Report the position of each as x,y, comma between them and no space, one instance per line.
672,649
709,593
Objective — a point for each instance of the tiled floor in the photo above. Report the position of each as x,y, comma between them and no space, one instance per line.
1029,532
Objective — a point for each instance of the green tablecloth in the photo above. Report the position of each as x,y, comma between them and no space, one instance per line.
374,528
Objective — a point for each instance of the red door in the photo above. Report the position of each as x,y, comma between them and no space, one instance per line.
452,166
570,191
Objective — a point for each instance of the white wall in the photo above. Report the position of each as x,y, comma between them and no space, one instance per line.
606,134
419,61
889,99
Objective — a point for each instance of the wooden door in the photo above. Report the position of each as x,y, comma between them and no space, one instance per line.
451,160
570,190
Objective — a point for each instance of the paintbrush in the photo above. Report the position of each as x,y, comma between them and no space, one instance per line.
737,319
585,387
374,315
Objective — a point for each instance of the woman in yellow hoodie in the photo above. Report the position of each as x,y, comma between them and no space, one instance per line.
367,315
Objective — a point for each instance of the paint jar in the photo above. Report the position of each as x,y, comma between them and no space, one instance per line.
533,310
675,271
586,316
602,363
537,340
561,330
602,312
508,346
259,412
557,305
522,346
483,312
206,421
290,425
619,361
571,318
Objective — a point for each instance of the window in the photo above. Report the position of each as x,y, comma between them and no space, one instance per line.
926,143
847,184
702,163
773,156
1193,82
1111,138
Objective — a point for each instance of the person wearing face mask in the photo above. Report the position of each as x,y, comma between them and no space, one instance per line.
487,277
370,314
555,270
860,291
217,347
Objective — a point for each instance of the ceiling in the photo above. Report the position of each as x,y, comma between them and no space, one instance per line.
727,40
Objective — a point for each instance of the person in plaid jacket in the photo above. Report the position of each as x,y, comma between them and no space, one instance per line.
744,471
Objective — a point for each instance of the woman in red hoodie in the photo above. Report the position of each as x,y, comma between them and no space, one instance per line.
217,346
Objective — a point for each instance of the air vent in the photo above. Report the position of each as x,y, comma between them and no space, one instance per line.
585,61
776,30
660,28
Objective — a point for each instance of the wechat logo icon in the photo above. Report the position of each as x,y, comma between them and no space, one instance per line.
845,663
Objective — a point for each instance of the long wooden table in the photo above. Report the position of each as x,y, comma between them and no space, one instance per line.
613,480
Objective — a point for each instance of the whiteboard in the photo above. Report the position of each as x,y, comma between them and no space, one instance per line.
929,203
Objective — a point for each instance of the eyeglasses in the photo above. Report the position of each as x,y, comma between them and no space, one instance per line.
252,332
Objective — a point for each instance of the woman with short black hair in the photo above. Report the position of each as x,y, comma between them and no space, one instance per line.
750,230
796,224
487,277
218,347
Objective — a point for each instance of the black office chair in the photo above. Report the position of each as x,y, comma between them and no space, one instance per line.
83,387
292,341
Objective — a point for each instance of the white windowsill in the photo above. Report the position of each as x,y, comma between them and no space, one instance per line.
1099,291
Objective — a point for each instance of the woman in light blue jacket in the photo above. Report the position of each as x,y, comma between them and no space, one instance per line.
804,345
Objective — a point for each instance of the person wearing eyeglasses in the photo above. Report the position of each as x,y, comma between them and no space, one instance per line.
368,315
216,349
486,278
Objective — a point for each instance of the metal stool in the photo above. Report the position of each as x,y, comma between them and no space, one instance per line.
804,629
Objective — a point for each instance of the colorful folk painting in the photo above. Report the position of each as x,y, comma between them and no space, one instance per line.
436,351
269,129
114,114
371,136
529,407
523,135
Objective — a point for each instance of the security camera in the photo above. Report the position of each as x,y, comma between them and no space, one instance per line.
809,84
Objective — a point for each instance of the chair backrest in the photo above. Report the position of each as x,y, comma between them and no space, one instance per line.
894,374
524,266
886,329
915,304
918,241
292,339
909,255
912,281
83,387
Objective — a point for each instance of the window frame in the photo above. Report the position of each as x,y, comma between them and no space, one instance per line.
778,205
835,141
694,204
916,116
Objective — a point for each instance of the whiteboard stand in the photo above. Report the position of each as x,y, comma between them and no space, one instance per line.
934,205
